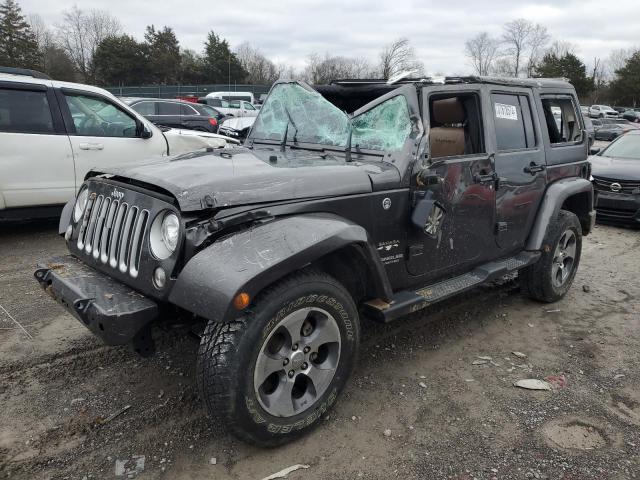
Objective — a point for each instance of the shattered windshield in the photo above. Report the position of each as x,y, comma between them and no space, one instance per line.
305,115
385,127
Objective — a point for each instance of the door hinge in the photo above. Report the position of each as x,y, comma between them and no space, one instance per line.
502,226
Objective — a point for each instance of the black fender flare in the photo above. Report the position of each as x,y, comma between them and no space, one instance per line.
252,259
554,198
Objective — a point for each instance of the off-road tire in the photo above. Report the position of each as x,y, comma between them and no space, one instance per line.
228,353
536,280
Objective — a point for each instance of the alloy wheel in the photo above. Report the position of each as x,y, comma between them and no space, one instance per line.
297,362
563,258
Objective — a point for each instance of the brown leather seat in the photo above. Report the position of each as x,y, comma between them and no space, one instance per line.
448,138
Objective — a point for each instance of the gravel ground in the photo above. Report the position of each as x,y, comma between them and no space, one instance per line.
417,407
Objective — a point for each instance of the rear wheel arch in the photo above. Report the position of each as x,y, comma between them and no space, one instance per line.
579,204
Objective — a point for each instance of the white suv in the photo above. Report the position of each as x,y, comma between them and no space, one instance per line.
52,133
602,111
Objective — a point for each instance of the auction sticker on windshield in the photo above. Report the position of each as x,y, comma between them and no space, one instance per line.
508,112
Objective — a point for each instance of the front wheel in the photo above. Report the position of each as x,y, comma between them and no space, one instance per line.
272,374
550,278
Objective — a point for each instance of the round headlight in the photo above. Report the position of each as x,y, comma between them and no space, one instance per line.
170,230
81,203
164,235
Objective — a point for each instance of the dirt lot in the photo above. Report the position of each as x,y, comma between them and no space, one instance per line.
447,417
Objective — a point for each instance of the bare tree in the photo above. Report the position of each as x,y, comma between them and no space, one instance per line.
516,38
618,59
398,56
538,39
80,34
321,70
560,48
482,51
260,70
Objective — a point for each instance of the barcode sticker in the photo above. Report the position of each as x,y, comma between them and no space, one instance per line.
508,112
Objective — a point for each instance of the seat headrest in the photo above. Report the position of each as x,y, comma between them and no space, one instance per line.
447,111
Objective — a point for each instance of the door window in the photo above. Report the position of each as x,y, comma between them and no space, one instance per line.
25,111
187,110
97,117
455,126
145,108
385,127
168,108
562,121
513,121
248,106
234,104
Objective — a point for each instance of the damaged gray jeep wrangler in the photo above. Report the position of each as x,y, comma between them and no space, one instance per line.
358,198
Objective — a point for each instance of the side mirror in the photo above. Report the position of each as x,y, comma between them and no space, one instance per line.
146,132
594,150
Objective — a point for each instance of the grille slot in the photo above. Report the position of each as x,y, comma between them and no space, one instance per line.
112,232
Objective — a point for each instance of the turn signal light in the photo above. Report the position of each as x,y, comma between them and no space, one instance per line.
241,301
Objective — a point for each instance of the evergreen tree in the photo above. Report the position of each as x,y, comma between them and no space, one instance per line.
164,55
625,89
191,68
18,46
567,66
220,64
121,60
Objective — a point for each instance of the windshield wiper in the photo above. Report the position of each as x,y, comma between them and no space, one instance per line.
284,137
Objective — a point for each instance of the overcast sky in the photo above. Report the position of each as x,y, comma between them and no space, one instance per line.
287,31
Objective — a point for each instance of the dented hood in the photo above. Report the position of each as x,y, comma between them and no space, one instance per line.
242,176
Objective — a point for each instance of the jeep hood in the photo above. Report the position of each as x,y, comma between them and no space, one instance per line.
241,176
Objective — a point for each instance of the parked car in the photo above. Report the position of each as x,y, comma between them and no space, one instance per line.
276,248
233,108
178,113
610,129
616,179
230,96
602,111
590,129
632,116
52,133
236,127
621,110
584,110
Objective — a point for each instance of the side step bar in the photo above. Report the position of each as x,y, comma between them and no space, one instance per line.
405,301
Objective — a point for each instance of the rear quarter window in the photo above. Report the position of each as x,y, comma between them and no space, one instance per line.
25,111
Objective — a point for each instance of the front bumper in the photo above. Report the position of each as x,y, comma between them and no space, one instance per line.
111,310
618,207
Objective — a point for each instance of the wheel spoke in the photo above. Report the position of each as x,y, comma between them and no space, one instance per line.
570,249
280,402
326,332
320,377
294,322
265,366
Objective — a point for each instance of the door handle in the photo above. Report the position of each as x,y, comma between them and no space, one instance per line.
534,168
91,146
485,178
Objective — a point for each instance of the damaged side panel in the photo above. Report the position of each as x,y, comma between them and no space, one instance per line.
252,259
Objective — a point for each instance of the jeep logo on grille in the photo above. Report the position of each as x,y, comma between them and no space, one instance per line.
615,187
117,194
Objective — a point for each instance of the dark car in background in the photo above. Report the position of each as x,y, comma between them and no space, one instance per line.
610,128
590,129
632,115
616,180
178,113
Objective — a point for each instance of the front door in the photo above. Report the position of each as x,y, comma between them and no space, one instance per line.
103,134
519,163
454,188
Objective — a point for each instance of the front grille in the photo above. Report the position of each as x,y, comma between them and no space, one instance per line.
604,184
112,233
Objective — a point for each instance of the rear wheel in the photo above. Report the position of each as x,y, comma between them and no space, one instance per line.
271,375
549,279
